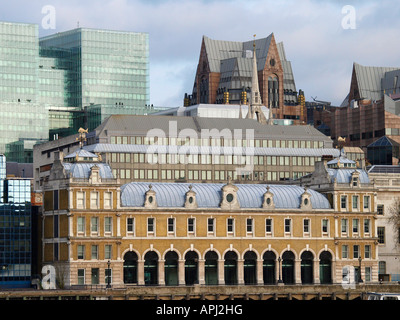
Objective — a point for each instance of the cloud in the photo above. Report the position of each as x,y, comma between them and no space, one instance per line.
320,50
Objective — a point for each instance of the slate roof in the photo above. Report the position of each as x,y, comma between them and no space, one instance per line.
82,169
208,195
344,175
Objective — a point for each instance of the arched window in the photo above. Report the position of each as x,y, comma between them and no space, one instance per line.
151,268
273,91
325,267
269,267
171,268
250,268
130,267
307,262
230,267
211,268
191,268
288,267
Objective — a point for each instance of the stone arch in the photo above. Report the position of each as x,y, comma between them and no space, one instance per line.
251,249
173,249
212,249
151,249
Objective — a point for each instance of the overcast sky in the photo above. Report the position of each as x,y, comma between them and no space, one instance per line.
322,39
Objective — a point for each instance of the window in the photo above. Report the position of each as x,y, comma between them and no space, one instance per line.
94,225
381,235
81,252
95,275
130,225
343,202
210,225
80,200
345,252
306,225
171,225
81,276
268,226
356,251
107,200
366,225
355,181
107,251
325,225
345,226
81,225
355,225
380,209
150,226
249,225
95,252
366,202
367,274
108,225
191,225
367,252
230,227
355,202
288,228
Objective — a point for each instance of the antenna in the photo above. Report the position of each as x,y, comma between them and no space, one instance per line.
77,25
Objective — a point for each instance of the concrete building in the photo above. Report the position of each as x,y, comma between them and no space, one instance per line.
98,231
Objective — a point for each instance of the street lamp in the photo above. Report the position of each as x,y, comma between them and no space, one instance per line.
280,280
359,270
109,274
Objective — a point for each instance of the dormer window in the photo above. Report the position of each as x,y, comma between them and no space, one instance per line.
355,181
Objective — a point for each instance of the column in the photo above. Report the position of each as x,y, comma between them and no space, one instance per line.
201,271
297,271
240,271
118,224
161,272
70,224
316,271
140,266
181,272
260,273
278,270
221,277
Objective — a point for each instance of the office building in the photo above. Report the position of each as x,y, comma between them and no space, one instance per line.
225,70
15,230
52,86
152,233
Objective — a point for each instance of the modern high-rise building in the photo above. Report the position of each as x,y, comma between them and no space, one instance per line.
51,86
15,230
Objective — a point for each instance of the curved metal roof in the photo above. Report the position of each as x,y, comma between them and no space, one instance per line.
344,175
208,195
82,170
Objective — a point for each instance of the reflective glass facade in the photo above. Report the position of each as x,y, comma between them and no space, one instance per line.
15,231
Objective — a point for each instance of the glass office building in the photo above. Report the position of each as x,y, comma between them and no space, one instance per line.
15,230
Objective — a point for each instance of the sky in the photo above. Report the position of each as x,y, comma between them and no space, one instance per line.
322,39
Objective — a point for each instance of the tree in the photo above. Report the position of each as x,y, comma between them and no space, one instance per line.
394,219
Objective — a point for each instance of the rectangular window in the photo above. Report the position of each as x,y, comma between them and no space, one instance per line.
171,225
306,225
81,276
107,251
288,225
367,274
130,225
355,225
94,225
80,200
367,252
355,202
268,226
345,252
366,225
107,200
108,225
343,202
210,225
94,200
380,209
81,251
95,252
81,225
249,225
356,251
381,235
95,275
325,223
150,225
345,226
230,225
366,202
191,225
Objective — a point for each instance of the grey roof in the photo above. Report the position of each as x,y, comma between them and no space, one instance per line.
82,169
81,153
384,169
133,148
142,124
208,195
288,83
344,175
369,80
342,160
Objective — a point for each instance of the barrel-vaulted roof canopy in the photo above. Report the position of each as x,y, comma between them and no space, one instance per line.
208,195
